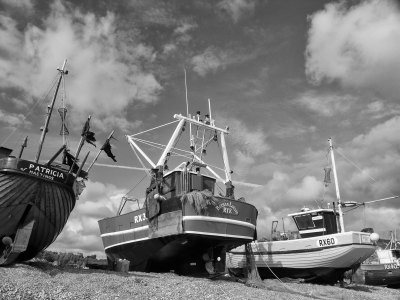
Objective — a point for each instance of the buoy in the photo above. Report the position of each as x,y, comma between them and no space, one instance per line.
7,240
206,257
210,267
374,237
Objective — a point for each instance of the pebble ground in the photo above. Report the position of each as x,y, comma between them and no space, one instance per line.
38,280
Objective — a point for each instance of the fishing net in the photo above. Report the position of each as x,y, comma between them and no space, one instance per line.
250,268
199,200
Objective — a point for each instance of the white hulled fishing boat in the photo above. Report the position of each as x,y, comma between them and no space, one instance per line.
321,250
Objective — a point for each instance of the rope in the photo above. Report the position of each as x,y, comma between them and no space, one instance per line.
48,92
154,128
135,185
259,253
363,171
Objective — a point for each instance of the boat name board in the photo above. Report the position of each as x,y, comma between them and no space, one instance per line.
227,208
41,171
390,266
325,242
140,218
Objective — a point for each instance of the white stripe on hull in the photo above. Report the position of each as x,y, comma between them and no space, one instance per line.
127,242
337,257
218,220
125,231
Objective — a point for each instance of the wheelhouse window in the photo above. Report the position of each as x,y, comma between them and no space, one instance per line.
304,221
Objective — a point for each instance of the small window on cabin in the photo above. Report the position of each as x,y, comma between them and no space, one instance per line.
168,183
208,184
304,222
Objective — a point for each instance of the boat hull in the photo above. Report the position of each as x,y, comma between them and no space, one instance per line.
27,197
381,274
181,239
310,258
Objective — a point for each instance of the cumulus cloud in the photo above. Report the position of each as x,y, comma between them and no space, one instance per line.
210,60
13,120
81,233
237,8
294,185
380,109
356,45
107,70
327,105
27,5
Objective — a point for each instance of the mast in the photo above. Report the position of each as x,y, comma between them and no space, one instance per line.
50,110
97,156
337,187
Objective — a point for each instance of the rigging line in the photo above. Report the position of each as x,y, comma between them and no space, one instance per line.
154,128
176,153
120,167
363,171
135,186
26,116
298,180
153,143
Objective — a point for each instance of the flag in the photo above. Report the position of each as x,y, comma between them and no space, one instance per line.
88,135
70,160
107,149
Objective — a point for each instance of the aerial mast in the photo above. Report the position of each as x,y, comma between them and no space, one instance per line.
337,187
49,111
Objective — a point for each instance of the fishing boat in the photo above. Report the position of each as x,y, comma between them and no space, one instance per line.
319,251
37,197
386,270
183,225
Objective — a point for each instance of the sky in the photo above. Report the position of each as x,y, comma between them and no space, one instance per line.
284,75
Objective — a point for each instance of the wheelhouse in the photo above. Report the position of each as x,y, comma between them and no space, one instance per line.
316,222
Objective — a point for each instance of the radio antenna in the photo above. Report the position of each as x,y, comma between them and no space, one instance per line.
187,104
187,111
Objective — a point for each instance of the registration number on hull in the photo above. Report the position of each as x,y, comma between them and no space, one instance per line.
390,266
326,242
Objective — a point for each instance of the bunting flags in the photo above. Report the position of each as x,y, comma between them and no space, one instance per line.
107,149
88,135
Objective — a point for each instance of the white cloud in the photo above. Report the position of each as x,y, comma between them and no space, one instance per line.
237,8
27,5
81,233
13,120
381,109
357,45
326,105
289,185
210,60
292,130
107,70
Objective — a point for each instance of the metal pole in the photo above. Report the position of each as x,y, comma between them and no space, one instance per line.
46,123
95,159
24,144
337,187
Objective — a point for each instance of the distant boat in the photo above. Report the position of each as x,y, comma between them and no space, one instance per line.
320,251
36,198
387,270
183,226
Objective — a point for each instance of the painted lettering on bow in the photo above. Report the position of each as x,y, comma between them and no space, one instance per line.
41,171
140,218
326,242
227,208
390,266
